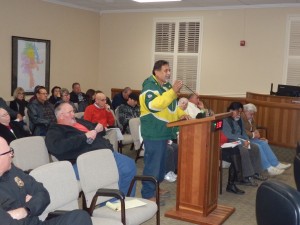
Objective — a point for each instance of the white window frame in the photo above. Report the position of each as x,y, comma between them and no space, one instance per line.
176,54
288,57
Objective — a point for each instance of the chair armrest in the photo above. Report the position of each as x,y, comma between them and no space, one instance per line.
56,213
264,131
145,178
109,193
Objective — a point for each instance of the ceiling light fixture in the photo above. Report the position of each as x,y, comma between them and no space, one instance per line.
148,1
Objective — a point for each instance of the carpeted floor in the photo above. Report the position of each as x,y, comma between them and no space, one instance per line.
244,204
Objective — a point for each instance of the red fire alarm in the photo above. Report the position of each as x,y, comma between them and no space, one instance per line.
242,43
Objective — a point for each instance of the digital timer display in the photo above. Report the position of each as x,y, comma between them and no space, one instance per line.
217,125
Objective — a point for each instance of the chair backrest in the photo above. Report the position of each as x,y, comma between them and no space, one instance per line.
277,204
97,169
297,171
60,181
117,118
26,119
30,152
134,125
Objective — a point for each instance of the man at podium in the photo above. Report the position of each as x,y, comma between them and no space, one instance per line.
158,102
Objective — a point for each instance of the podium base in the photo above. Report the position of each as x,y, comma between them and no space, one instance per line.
216,217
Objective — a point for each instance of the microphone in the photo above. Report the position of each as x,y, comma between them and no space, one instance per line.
204,102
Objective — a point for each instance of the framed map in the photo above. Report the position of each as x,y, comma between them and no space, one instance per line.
30,63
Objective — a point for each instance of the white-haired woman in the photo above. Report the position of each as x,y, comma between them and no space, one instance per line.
268,158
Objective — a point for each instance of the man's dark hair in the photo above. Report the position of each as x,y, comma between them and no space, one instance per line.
158,65
235,106
52,90
40,88
74,84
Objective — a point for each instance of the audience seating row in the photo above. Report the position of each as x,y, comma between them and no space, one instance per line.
31,154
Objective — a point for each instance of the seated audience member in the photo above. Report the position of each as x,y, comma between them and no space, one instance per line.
23,199
194,106
55,95
65,97
10,130
19,104
13,114
40,113
233,129
128,111
268,158
89,100
121,98
183,103
99,112
76,96
71,137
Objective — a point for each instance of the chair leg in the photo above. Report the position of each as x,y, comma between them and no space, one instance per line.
221,172
120,147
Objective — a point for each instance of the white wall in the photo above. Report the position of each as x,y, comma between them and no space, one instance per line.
115,50
74,36
227,69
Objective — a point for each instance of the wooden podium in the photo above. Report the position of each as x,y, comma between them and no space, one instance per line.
198,176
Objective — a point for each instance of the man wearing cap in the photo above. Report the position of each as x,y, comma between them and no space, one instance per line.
128,111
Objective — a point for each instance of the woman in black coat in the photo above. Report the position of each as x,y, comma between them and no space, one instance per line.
19,104
10,130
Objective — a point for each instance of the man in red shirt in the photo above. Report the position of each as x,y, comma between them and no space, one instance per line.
100,112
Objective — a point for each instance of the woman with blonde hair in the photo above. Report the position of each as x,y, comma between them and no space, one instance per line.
19,103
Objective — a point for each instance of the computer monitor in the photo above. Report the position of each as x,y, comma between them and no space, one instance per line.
288,90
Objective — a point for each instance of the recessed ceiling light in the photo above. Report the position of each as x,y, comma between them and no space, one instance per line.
145,1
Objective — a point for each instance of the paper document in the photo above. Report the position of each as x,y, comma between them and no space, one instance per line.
119,133
230,144
133,203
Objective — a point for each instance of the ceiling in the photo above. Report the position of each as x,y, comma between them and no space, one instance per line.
129,5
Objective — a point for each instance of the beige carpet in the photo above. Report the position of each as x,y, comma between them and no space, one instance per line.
244,204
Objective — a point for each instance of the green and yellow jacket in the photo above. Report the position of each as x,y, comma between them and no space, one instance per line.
158,107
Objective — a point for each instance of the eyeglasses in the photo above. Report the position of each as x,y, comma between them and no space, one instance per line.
11,150
43,93
4,115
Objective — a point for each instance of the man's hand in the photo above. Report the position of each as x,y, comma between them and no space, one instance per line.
185,117
200,105
18,214
99,128
256,134
107,107
19,117
91,134
246,144
27,198
177,85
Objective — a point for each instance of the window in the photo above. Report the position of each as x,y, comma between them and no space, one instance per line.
292,74
179,42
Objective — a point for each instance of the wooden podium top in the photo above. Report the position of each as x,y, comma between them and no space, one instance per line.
202,120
